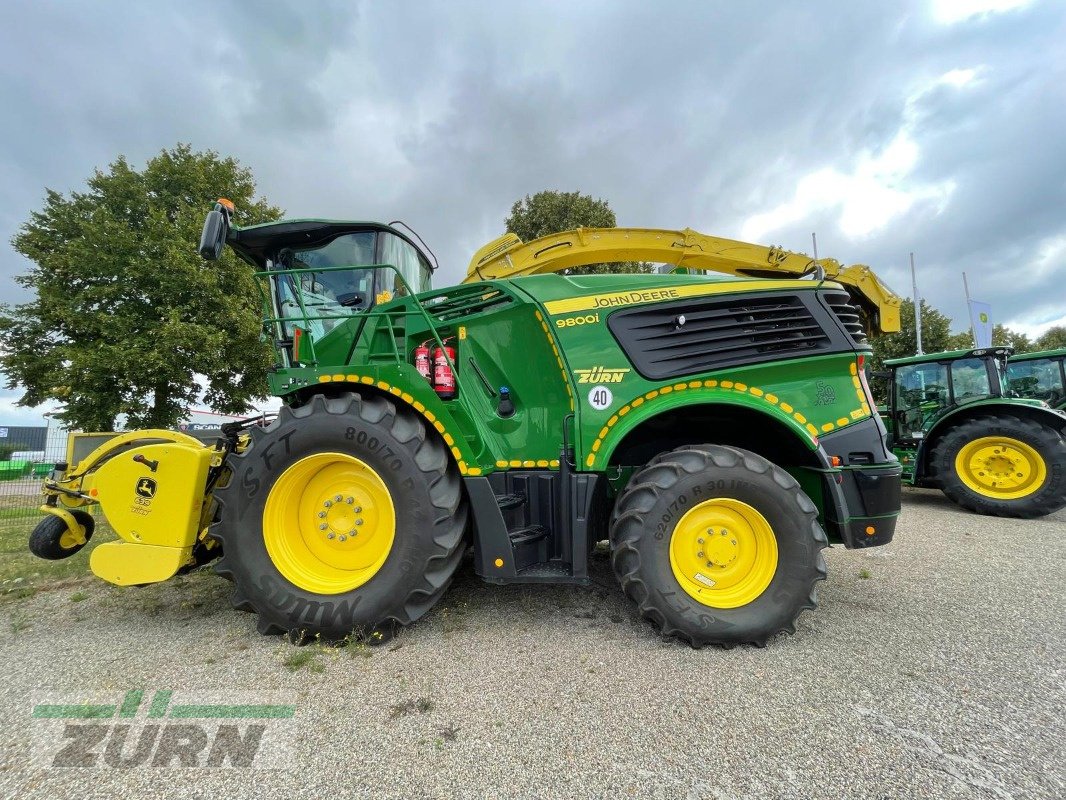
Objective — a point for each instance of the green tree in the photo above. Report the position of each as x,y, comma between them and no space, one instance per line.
963,340
1002,336
126,314
1052,339
551,212
936,334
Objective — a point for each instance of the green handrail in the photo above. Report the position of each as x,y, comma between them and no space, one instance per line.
370,312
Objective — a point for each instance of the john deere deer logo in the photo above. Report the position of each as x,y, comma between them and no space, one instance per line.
146,488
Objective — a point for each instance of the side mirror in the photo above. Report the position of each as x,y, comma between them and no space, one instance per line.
213,238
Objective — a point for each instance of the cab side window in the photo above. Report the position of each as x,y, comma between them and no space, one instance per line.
921,393
407,260
969,379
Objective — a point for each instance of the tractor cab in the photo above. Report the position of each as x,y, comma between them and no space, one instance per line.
1040,376
922,389
316,275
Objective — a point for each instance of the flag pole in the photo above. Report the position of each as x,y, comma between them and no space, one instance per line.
917,308
969,309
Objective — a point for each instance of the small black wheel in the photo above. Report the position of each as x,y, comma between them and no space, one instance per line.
1003,466
53,540
716,545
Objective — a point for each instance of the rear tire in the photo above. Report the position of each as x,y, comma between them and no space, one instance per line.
283,568
971,463
655,514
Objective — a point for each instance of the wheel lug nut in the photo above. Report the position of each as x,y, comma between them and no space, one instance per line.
344,538
349,500
323,526
357,509
321,514
337,499
358,522
699,541
328,503
699,555
329,535
732,541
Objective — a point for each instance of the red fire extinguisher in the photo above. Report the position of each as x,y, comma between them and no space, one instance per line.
422,361
443,377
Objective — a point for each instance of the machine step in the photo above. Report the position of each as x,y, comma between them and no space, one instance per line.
527,535
506,501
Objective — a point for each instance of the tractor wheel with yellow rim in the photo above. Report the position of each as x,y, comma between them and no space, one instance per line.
717,545
51,539
344,517
1001,465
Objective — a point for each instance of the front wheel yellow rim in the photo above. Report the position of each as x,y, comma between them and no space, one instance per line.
723,553
1000,467
329,523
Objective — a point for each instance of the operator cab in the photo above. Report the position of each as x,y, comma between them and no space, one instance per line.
319,273
327,280
923,387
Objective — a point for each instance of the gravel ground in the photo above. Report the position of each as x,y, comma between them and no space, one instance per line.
933,668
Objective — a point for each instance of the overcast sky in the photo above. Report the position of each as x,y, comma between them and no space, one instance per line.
936,126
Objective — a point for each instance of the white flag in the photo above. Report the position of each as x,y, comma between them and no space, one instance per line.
981,316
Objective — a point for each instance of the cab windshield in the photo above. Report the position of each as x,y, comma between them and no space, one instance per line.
1040,378
329,291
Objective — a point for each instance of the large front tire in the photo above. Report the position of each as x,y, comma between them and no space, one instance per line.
1003,466
716,545
343,517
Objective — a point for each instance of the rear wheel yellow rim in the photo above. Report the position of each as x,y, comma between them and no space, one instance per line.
1000,467
723,553
329,523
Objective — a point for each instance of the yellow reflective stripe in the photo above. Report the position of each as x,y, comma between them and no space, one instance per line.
665,293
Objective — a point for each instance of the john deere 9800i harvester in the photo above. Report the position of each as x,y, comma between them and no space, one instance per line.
714,429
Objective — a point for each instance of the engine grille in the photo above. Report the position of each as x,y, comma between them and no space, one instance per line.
665,341
848,314
466,301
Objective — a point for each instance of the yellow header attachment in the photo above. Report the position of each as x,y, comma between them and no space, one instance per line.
509,257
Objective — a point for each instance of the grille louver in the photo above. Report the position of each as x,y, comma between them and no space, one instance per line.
717,333
848,314
466,301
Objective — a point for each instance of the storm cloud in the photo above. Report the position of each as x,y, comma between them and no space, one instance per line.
933,127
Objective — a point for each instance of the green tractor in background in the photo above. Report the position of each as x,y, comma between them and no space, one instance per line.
954,426
1039,376
715,430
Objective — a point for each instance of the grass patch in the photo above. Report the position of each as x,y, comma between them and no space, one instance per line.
357,648
303,658
16,561
422,705
865,574
449,733
19,623
77,597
